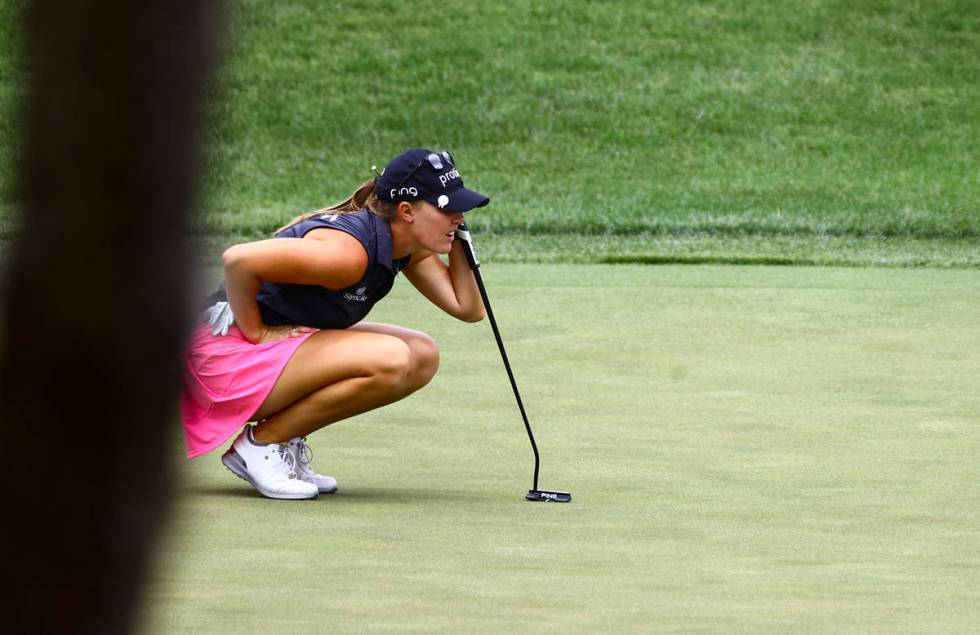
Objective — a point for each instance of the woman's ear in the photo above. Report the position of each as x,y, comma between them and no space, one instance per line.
406,212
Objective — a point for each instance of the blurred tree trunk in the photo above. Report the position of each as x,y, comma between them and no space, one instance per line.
95,309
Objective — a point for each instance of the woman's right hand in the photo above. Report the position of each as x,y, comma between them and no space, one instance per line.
276,333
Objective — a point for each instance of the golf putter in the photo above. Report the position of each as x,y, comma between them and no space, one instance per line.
535,494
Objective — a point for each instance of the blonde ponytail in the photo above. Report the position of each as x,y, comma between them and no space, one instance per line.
364,197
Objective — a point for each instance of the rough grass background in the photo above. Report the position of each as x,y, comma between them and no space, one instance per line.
13,79
803,131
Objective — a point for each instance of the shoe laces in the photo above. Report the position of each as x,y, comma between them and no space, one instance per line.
304,453
288,464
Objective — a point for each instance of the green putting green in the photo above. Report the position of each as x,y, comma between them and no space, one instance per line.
749,449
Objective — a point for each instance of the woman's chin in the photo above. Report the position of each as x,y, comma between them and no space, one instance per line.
442,246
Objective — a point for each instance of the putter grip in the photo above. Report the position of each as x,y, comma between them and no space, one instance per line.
463,235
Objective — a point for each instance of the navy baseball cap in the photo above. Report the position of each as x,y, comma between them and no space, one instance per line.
431,176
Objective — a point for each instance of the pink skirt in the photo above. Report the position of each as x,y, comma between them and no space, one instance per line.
226,379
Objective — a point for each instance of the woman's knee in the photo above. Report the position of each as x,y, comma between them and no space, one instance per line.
390,362
425,358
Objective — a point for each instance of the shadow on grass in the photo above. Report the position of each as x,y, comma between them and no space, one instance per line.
224,491
707,260
354,495
399,495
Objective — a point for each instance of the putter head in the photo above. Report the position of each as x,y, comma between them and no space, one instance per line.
545,496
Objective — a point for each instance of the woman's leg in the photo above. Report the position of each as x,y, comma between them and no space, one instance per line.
424,354
337,374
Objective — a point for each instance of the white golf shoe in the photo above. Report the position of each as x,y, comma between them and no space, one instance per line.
304,456
270,468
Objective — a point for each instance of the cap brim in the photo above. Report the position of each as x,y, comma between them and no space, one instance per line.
462,200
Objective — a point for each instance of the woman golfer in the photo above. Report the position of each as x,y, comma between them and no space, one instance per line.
283,343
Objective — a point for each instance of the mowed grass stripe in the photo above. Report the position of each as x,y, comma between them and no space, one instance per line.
697,249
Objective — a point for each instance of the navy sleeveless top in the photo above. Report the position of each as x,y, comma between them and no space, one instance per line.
319,307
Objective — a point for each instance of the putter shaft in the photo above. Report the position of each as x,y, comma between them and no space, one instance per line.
534,494
475,266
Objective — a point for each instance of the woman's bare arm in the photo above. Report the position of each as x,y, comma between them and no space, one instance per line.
328,258
450,287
